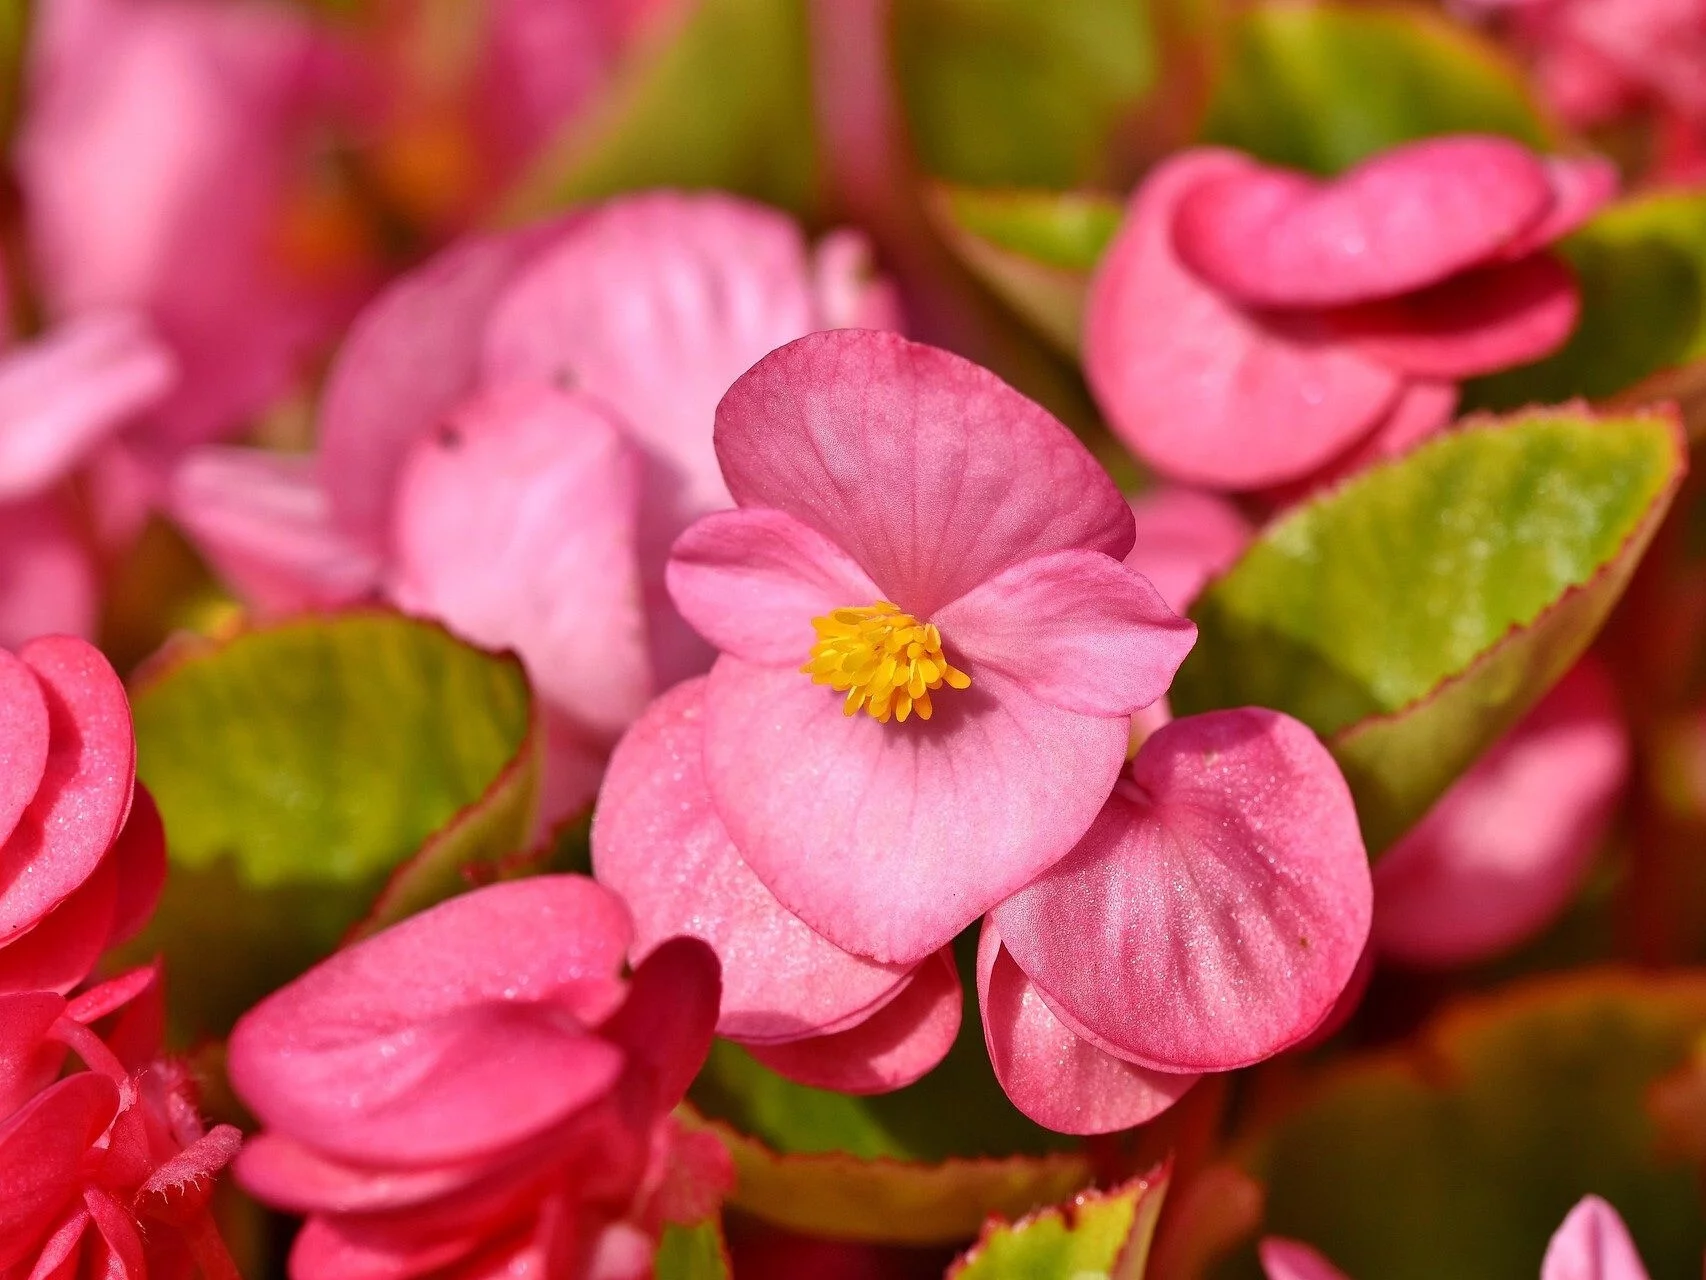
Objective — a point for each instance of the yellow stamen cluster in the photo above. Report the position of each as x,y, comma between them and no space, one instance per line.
885,661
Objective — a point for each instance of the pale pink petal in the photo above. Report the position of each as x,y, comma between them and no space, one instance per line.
1204,392
1581,186
1479,322
1293,1260
849,293
1592,1244
863,829
515,525
263,521
752,581
1053,1075
657,841
1217,908
48,581
1076,629
1405,219
1184,538
24,739
64,393
1501,853
930,472
85,788
895,1046
1423,409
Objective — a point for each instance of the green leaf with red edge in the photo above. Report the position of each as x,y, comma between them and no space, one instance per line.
1097,1235
311,769
1415,613
698,1252
1320,87
1459,1154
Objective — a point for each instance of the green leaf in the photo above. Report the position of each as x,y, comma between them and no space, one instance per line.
693,1253
308,769
673,121
1034,249
1022,92
1411,616
1642,267
1320,87
1460,1155
1098,1235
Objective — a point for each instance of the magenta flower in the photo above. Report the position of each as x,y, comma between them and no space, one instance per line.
1250,326
479,1087
930,650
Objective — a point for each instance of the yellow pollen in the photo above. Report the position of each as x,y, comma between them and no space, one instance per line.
885,661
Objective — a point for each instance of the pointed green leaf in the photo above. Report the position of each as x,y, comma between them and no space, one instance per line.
1098,1235
1411,616
693,1253
300,770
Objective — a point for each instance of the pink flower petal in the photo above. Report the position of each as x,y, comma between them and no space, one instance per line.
1184,538
848,292
1581,186
546,486
895,1046
862,828
291,1176
1053,1075
751,582
1592,1244
930,472
1293,1260
64,393
62,948
1213,914
139,858
23,740
28,1060
1205,392
665,1025
657,841
48,581
85,787
1423,409
41,1148
1502,852
1479,322
264,522
1077,629
1405,219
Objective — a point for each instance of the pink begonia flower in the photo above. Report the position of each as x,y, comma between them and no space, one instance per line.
945,556
1252,325
798,1002
477,1090
1209,919
514,434
82,858
1501,853
1590,1244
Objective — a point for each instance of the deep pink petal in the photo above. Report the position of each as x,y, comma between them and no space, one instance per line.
264,522
664,1027
23,740
1076,629
1592,1244
139,857
1053,1075
657,841
1405,219
1293,1260
1217,908
121,1245
59,1258
930,472
1205,392
545,485
1501,853
1581,186
1184,538
292,1176
85,788
61,948
863,829
1479,322
61,395
895,1046
48,582
751,581
29,1061
41,1148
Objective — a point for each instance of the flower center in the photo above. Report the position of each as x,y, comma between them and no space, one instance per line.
886,661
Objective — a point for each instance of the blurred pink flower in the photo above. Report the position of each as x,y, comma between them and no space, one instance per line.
478,1090
944,555
1250,326
514,434
83,860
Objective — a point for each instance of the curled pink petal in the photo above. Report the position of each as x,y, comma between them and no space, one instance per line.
1056,1077
1592,1244
63,946
48,580
1293,1260
930,472
1184,538
1405,219
1581,186
665,1024
657,841
895,1046
1205,392
1077,629
1502,851
1214,912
